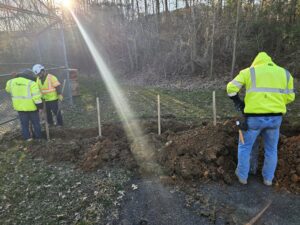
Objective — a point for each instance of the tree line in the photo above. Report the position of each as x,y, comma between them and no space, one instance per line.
164,39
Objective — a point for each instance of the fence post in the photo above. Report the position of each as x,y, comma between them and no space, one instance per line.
99,119
46,121
158,115
214,108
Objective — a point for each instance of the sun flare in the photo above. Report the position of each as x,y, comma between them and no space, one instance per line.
65,3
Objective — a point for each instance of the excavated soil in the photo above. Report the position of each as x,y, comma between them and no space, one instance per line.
183,151
288,170
206,152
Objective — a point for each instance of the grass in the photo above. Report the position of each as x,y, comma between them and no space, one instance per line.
33,192
193,105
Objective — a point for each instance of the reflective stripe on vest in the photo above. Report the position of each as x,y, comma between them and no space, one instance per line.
23,97
236,83
48,89
272,90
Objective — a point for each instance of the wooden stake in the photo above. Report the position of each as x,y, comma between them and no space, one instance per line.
158,115
46,121
99,119
214,108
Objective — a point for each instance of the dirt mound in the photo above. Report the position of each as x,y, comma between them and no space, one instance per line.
183,150
201,153
84,148
107,152
288,170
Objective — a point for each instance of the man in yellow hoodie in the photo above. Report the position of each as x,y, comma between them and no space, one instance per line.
269,88
26,100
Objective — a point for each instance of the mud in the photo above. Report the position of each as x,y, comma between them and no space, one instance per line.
182,152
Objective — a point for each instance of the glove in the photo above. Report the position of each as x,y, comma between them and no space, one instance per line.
238,103
60,97
239,106
39,106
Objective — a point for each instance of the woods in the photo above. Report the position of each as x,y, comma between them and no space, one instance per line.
173,39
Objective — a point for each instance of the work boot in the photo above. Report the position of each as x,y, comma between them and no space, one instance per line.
242,181
267,183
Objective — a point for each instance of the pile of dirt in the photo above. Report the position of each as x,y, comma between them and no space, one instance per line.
85,149
89,152
288,170
203,153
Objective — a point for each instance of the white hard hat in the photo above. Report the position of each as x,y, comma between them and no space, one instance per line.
37,68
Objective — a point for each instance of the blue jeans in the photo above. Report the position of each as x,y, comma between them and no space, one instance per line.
254,156
33,117
268,127
52,107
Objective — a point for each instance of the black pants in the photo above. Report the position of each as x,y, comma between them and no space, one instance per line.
52,107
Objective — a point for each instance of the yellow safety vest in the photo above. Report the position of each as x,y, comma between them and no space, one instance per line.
268,87
48,88
25,94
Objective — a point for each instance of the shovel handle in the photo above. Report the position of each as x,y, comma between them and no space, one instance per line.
241,137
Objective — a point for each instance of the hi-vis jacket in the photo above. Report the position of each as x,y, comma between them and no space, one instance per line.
25,94
268,87
48,87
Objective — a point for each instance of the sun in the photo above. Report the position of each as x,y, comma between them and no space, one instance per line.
65,3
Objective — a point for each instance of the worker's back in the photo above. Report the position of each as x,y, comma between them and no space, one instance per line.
23,92
268,87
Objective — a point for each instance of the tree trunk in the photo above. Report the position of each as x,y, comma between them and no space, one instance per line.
166,6
146,7
138,8
157,7
132,9
212,43
235,37
153,7
186,4
130,56
220,8
293,10
194,42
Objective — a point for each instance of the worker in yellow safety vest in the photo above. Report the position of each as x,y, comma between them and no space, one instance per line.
269,88
51,93
26,100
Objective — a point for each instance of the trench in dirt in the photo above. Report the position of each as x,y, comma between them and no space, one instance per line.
185,158
183,151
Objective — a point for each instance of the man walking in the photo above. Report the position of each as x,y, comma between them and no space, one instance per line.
269,88
26,99
51,93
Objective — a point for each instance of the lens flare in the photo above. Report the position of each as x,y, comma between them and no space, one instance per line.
141,147
65,3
